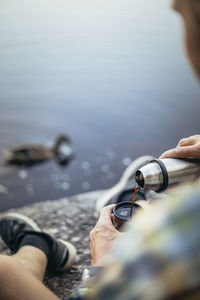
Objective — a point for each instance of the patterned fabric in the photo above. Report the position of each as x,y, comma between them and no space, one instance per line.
159,256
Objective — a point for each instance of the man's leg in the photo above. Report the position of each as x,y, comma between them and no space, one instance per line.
33,252
21,275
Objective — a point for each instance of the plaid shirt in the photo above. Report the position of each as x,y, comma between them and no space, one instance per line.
159,256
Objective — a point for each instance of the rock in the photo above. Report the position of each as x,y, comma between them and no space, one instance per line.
69,219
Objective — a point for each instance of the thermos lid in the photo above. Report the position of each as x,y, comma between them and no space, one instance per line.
123,210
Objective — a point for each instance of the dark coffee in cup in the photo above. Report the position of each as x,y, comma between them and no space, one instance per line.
122,214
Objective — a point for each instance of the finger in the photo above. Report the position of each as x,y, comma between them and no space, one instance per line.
107,210
105,216
188,141
164,155
182,152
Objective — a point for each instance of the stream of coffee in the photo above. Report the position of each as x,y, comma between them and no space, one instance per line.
133,201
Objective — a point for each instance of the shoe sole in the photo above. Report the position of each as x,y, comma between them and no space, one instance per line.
27,220
119,187
72,256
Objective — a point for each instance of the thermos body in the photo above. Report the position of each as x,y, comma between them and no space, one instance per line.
158,174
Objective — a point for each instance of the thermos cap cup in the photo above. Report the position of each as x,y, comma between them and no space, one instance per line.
122,213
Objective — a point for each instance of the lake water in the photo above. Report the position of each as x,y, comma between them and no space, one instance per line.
111,74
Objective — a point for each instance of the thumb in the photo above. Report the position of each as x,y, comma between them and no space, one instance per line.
105,216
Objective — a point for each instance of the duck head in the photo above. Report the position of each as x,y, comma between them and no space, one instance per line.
61,140
62,149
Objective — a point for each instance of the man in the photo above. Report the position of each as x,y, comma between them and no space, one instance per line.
158,258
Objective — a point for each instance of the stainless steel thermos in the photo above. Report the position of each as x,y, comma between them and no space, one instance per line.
159,174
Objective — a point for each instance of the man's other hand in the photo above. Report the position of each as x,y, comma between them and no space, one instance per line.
102,236
186,148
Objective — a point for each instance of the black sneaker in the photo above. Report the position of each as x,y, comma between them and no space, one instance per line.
124,189
15,227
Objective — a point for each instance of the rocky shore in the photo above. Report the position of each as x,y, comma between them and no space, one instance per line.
70,219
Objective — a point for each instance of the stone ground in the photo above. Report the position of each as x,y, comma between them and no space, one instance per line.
70,219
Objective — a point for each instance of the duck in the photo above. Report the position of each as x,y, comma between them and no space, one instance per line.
36,153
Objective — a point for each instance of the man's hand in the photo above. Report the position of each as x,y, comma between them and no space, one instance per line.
186,148
102,236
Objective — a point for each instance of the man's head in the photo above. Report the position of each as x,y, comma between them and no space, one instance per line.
190,11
